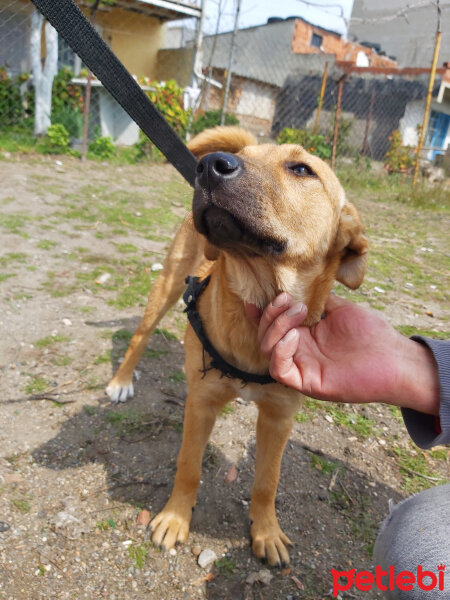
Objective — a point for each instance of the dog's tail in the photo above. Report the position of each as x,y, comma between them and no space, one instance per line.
221,139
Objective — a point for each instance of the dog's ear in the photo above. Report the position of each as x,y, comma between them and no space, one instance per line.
353,243
221,139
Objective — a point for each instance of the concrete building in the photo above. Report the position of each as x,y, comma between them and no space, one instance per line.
409,36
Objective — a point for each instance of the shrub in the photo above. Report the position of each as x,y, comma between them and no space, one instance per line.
102,147
399,158
211,118
315,143
167,96
146,149
64,94
71,119
14,107
56,140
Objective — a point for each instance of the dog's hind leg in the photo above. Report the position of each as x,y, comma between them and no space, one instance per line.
186,256
273,429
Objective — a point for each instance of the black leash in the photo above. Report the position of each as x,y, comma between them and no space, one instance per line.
194,290
72,25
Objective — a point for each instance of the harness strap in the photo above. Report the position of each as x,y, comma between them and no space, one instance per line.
72,25
194,290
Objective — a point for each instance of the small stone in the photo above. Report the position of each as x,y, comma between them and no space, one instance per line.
264,576
157,267
67,322
103,278
206,558
379,290
231,475
329,418
196,550
143,518
4,526
172,552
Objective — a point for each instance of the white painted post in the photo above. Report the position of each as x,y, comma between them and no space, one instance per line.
43,76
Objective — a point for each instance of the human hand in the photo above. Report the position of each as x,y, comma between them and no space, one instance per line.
352,355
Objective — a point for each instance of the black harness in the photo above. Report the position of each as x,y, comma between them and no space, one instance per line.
194,290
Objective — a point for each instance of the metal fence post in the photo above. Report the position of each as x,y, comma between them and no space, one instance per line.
322,94
337,116
368,120
423,130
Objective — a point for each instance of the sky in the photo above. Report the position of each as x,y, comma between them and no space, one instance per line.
326,13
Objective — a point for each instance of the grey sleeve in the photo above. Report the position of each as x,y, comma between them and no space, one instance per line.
424,429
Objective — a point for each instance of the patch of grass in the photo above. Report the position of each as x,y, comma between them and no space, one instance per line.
5,276
228,409
92,382
440,454
62,360
123,336
13,257
107,524
394,187
170,337
325,466
135,290
301,417
87,309
117,418
36,385
409,330
13,222
18,139
177,377
138,554
51,339
395,412
103,358
21,504
126,248
46,244
355,421
89,409
152,353
413,465
226,566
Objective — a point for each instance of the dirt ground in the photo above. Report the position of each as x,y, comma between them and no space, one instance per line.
78,243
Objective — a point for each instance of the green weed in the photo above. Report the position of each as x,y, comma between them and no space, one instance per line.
226,566
51,339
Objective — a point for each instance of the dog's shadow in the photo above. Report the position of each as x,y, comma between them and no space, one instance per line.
332,526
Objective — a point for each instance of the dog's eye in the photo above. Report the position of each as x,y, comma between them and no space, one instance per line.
301,170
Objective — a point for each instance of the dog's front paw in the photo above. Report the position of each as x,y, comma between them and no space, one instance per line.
171,526
119,391
269,542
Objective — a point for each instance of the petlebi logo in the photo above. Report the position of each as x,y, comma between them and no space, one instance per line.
365,581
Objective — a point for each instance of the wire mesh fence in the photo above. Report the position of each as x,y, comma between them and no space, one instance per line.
329,106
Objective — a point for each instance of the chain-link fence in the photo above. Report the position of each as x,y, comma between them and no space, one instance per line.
286,80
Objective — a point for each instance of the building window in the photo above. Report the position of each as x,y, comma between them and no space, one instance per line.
316,40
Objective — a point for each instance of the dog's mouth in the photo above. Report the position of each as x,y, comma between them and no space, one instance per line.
227,231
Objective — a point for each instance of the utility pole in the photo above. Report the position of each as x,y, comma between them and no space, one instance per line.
197,61
230,63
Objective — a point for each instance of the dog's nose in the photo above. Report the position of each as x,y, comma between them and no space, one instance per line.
217,167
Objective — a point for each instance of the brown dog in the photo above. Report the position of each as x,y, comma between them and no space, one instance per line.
265,219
